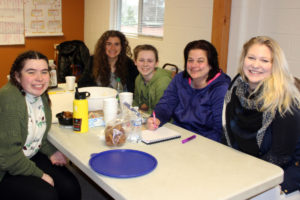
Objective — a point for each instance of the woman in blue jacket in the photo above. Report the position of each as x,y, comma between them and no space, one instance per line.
194,98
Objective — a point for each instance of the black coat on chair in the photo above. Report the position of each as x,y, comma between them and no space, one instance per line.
73,58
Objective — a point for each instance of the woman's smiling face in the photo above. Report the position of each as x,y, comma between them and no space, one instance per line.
146,63
34,77
257,64
197,64
113,47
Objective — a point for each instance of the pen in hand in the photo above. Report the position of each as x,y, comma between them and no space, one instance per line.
154,119
188,139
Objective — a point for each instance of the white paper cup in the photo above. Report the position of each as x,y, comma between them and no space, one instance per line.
110,109
125,97
70,82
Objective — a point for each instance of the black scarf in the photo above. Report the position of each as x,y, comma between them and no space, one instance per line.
245,125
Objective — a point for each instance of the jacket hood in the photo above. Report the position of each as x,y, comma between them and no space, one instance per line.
223,78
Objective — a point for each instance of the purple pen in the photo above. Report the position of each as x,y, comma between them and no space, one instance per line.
188,139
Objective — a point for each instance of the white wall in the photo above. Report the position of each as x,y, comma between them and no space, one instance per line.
279,19
192,19
184,21
96,21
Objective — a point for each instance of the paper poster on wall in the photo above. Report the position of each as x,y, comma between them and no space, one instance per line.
11,22
43,18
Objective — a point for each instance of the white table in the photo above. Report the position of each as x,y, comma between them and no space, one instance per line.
198,169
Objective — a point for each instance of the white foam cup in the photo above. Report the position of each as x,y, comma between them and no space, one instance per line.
70,82
110,109
125,97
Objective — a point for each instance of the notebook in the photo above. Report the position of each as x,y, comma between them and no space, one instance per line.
159,135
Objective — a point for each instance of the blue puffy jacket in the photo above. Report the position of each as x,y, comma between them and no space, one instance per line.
197,110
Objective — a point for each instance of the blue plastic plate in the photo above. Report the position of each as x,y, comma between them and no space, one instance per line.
123,163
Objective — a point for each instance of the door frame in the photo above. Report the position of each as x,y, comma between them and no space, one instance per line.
220,30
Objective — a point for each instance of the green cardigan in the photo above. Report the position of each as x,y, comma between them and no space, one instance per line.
14,131
151,92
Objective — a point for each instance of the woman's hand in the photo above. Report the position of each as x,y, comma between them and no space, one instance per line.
153,124
144,107
58,158
48,179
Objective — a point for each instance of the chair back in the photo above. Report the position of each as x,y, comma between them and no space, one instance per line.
297,83
172,68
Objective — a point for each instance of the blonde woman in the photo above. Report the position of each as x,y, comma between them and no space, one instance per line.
261,113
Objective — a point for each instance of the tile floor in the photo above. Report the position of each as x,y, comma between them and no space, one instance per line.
293,196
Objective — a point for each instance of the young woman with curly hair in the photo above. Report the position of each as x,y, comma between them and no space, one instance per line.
112,60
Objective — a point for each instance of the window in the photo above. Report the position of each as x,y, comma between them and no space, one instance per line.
141,17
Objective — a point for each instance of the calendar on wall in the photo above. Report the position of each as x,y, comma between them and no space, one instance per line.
42,18
11,22
29,18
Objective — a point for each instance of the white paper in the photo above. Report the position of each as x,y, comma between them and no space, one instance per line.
43,18
11,22
160,134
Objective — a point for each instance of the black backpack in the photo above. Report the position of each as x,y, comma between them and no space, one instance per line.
73,58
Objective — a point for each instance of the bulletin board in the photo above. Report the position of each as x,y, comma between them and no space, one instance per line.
11,22
42,18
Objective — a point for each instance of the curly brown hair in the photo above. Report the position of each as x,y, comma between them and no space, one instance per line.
101,67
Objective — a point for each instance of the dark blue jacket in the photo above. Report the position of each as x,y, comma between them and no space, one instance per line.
286,152
280,144
197,110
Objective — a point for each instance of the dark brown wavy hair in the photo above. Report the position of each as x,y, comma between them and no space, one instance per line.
101,68
212,56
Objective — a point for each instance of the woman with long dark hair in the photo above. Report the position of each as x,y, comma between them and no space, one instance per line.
111,61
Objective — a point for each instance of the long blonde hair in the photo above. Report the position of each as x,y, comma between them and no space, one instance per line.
278,90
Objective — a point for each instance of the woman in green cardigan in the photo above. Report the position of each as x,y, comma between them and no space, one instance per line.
30,167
